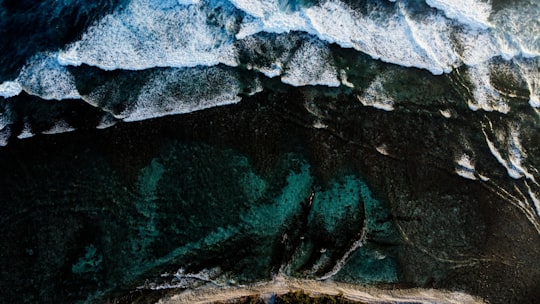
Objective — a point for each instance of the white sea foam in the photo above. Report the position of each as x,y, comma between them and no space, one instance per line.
472,13
26,131
311,64
188,2
380,34
476,46
144,36
344,79
465,167
432,37
429,41
176,91
59,127
515,154
299,59
535,101
530,71
384,36
446,113
106,121
485,96
318,124
534,198
518,30
183,280
512,172
10,88
259,9
270,55
376,95
383,149
5,133
179,34
43,76
5,120
341,262
273,70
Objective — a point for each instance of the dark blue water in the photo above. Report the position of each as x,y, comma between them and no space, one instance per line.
29,27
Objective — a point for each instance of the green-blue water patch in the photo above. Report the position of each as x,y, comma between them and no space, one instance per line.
379,217
375,260
194,201
90,262
341,212
337,202
267,219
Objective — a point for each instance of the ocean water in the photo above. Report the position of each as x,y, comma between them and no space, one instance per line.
149,147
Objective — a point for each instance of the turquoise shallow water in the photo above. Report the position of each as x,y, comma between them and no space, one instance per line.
198,207
296,227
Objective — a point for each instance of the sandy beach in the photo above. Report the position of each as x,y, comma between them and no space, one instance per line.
283,285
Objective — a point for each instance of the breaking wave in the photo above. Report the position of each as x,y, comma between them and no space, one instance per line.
148,59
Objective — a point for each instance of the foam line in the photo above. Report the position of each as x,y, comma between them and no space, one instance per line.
534,198
341,262
472,13
465,167
512,172
516,154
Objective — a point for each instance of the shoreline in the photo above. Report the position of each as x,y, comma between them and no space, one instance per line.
355,293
